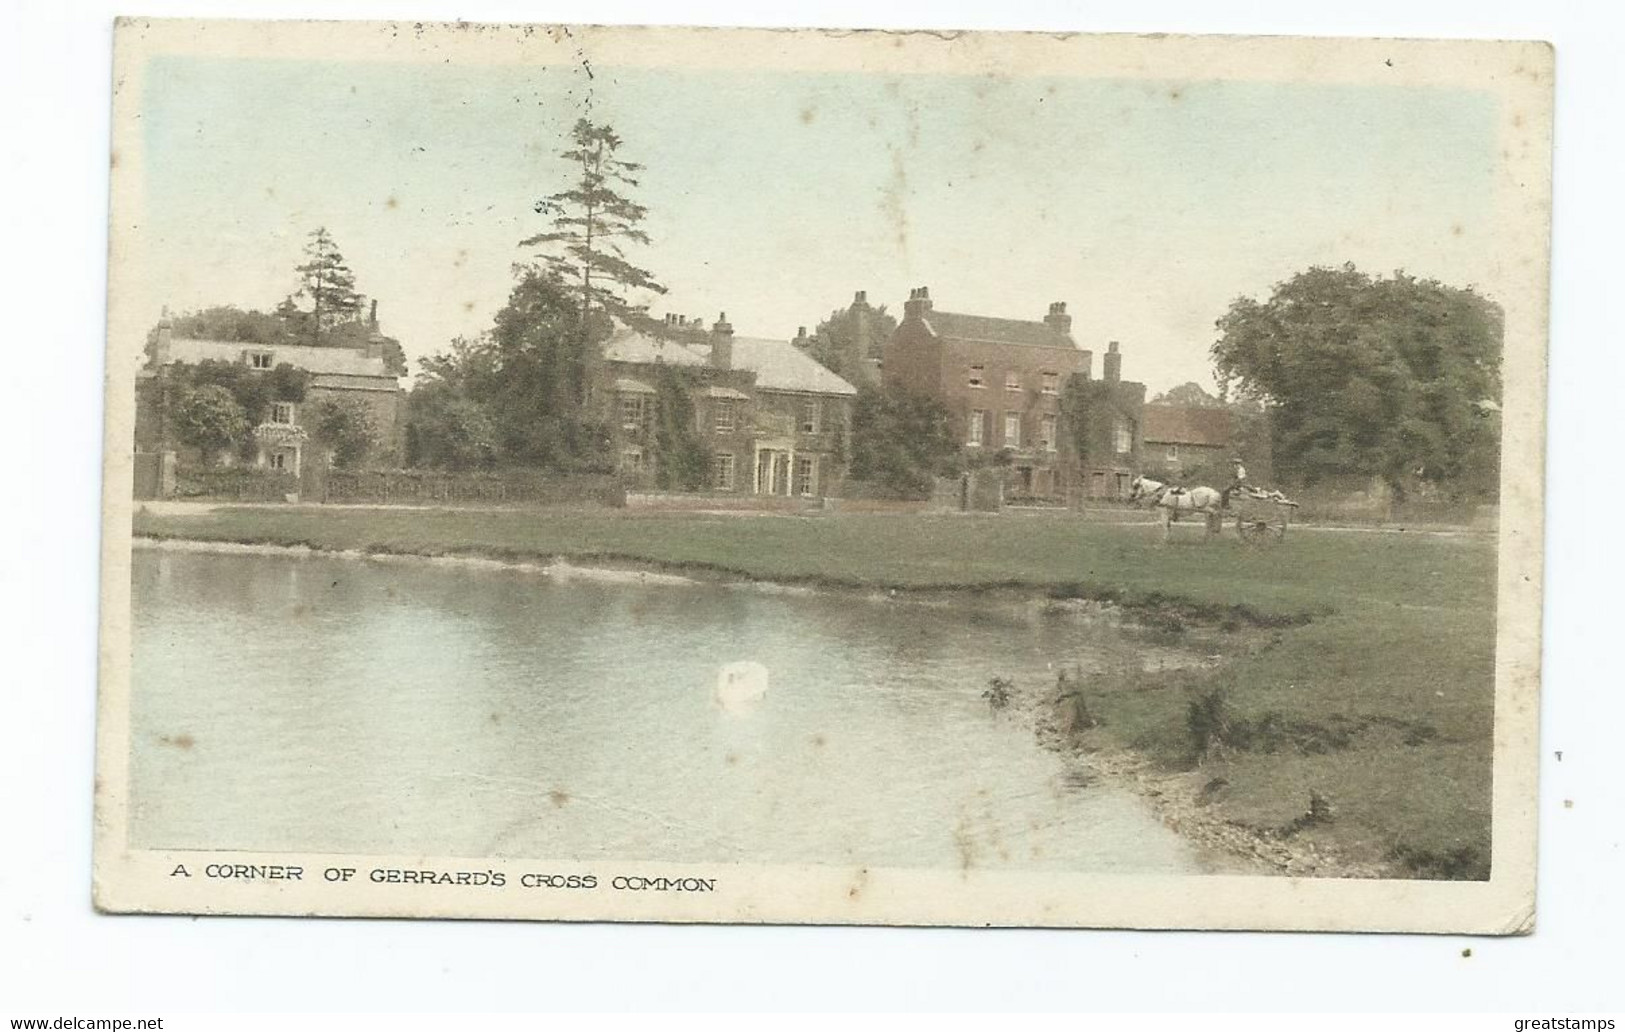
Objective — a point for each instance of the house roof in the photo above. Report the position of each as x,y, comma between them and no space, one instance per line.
781,366
997,331
1181,424
778,364
631,346
335,361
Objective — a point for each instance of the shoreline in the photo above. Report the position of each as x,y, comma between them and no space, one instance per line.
1179,799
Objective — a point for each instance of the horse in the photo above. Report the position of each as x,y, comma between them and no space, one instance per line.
1202,501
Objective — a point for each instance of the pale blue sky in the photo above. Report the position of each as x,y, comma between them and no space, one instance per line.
1146,205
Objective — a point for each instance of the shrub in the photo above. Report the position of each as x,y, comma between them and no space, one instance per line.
998,692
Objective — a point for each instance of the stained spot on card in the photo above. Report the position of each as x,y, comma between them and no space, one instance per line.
558,798
180,741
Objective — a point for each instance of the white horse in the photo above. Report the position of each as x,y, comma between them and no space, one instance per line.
1174,502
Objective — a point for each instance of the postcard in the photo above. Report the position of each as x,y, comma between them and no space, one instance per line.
731,475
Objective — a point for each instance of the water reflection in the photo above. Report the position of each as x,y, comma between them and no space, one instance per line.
340,705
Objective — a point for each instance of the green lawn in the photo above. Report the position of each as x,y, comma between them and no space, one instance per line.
1382,701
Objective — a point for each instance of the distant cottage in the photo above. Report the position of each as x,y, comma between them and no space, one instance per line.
282,438
1179,438
772,420
1003,380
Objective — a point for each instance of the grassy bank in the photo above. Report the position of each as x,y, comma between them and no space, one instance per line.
1373,691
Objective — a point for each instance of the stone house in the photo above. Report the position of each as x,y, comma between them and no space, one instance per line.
771,420
1004,382
282,439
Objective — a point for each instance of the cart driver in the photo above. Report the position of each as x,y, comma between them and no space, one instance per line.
1238,478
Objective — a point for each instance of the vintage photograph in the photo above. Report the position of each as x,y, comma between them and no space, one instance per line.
804,476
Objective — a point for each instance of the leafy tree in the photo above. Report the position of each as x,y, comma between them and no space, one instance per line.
1189,395
592,222
901,440
345,427
1374,376
528,377
446,430
837,343
328,284
208,418
1089,412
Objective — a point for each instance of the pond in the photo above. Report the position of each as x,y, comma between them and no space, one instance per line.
343,705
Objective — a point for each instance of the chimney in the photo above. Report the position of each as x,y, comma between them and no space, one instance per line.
722,343
862,330
372,316
1058,320
1113,366
802,340
160,349
919,303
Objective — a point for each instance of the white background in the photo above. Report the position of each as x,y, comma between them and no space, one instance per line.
58,957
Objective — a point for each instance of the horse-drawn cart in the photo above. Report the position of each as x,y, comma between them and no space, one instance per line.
1261,516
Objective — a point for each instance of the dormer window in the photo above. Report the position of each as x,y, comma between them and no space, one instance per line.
260,359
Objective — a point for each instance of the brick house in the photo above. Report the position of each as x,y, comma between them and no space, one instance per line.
771,420
1181,438
282,440
1004,380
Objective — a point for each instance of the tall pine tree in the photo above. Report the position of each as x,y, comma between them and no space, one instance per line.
329,285
592,222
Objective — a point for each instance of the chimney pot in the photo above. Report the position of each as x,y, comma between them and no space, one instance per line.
861,297
1057,319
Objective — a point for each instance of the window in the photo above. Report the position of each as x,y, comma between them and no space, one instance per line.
804,475
1012,380
282,412
809,415
1173,453
977,376
1052,383
632,411
978,418
1046,431
632,460
1122,435
724,421
278,460
722,471
1012,429
260,359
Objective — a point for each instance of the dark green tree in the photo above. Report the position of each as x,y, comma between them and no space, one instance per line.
329,285
851,336
901,441
1388,377
346,429
210,419
446,430
1189,395
528,377
592,222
